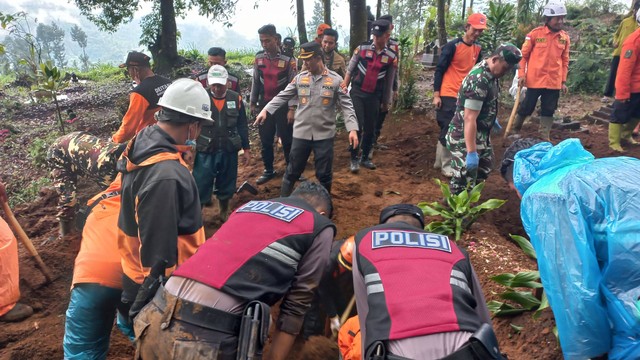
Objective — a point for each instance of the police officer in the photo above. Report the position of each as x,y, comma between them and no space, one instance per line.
288,45
318,93
544,68
475,116
267,250
399,252
79,154
218,56
457,58
218,144
394,45
272,71
371,70
143,101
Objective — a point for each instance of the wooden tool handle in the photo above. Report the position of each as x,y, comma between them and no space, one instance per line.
513,113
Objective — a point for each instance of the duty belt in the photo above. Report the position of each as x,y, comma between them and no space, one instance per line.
196,314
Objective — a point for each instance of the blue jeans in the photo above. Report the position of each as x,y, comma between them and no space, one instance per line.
90,316
219,168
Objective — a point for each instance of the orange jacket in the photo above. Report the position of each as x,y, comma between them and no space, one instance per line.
628,75
99,259
138,117
350,340
545,59
9,277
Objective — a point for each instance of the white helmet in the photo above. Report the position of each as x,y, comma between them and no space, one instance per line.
188,97
554,9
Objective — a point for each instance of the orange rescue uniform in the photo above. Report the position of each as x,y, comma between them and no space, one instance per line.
138,117
349,339
545,59
9,278
628,75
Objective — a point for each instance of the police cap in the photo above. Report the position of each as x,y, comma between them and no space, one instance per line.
308,50
402,209
379,27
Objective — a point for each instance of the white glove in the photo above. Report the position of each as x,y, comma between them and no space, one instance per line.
335,324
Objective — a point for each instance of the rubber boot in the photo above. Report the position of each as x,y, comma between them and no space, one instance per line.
546,122
438,163
18,313
517,123
447,170
626,134
287,188
66,227
614,137
223,205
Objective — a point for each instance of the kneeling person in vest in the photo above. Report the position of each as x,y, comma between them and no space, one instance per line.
417,294
268,250
218,144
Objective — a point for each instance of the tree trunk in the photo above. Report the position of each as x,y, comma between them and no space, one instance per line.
327,12
302,28
379,9
464,9
358,29
442,29
167,56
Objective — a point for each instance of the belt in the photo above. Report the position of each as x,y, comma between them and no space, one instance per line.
470,350
200,315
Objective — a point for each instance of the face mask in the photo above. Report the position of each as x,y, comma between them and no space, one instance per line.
190,142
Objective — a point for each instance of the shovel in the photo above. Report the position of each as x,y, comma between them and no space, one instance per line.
248,187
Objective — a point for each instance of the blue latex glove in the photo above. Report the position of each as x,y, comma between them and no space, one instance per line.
497,129
472,160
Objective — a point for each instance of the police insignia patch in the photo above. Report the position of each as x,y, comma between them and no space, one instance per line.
280,63
325,101
231,104
628,54
410,239
384,59
274,209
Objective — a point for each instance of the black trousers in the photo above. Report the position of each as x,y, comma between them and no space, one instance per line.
275,123
548,102
323,160
623,112
367,107
444,115
381,117
611,82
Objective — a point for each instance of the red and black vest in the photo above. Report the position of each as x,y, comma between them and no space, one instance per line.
223,134
273,74
417,283
255,254
372,67
232,81
152,89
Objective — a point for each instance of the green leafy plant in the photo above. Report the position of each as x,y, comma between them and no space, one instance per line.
459,212
29,193
53,80
408,95
502,21
38,148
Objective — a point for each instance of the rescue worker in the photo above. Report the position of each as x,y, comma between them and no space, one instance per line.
160,221
217,146
444,285
318,93
10,309
581,215
350,339
272,71
544,68
218,56
457,58
626,108
333,60
97,280
627,26
266,250
394,45
143,101
288,45
372,69
79,154
320,33
475,117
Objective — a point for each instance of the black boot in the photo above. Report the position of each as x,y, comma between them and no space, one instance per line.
366,161
287,188
224,209
266,176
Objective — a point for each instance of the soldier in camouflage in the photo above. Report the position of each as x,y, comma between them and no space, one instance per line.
79,154
475,116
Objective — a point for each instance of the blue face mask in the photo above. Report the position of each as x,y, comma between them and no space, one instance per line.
190,142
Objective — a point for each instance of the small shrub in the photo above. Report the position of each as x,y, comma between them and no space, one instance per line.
38,149
29,193
103,73
408,94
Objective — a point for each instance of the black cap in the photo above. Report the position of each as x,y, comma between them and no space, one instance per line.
288,41
135,58
308,50
402,209
387,17
379,27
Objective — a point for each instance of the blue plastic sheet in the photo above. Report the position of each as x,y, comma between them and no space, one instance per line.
583,218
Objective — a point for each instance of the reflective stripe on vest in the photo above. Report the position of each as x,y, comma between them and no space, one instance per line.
273,74
373,283
372,68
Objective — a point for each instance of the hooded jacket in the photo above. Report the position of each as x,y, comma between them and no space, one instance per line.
160,215
583,218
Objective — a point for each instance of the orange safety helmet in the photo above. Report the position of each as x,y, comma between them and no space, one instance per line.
345,257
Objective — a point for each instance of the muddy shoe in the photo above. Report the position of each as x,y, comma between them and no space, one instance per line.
302,178
266,176
367,163
354,167
18,313
379,146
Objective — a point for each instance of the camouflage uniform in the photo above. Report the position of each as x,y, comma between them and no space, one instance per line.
80,154
479,85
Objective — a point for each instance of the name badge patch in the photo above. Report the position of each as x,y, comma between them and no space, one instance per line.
231,104
396,238
384,59
274,209
281,63
369,54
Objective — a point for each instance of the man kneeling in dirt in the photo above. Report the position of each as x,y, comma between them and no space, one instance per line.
267,249
417,294
582,216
